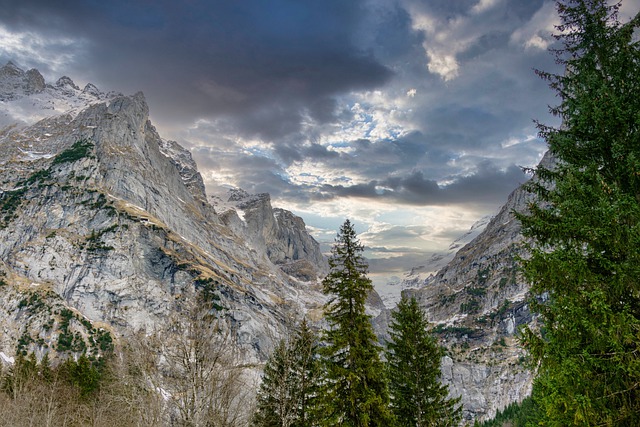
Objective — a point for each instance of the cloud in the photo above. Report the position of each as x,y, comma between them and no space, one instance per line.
537,33
483,6
262,62
488,186
394,113
450,32
49,54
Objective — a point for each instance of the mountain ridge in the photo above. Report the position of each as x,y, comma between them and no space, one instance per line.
103,216
106,231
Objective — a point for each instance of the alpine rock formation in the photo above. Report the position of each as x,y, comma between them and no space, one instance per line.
106,230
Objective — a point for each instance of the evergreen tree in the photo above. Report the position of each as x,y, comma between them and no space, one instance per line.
586,258
45,368
276,406
413,358
308,374
290,383
83,374
356,389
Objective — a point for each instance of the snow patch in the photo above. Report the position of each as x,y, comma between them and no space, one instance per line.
241,214
32,155
518,297
7,359
453,320
164,393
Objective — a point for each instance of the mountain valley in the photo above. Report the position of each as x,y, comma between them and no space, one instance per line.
106,231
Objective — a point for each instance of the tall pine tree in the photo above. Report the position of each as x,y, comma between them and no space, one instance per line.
586,256
356,392
413,358
289,387
308,374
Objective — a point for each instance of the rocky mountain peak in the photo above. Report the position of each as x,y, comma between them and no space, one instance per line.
10,69
278,233
35,81
32,99
104,220
243,200
16,83
66,82
91,89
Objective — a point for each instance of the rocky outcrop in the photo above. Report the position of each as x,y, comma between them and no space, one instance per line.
183,161
278,233
16,83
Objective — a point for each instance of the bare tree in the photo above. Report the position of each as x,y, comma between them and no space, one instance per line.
196,367
189,374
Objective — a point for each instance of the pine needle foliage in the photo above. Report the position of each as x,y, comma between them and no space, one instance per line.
585,260
413,359
355,393
289,388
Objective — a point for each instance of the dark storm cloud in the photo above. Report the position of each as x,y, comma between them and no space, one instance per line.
495,99
487,186
267,61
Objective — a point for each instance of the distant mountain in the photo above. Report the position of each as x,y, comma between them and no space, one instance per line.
420,275
25,97
276,232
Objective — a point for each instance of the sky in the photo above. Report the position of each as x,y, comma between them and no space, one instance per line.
412,118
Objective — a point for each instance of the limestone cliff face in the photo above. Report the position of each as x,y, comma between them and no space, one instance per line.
105,226
477,302
278,233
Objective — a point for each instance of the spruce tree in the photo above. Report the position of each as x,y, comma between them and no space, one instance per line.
355,392
585,260
289,385
413,359
276,407
308,374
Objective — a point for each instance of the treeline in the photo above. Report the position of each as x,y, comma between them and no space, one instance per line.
517,414
79,392
191,376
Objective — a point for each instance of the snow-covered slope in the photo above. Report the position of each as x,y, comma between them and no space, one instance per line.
25,97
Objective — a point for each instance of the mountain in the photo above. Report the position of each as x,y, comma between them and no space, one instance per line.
276,232
477,303
106,230
25,97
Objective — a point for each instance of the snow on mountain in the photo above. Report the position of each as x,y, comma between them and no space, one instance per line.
25,98
421,275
